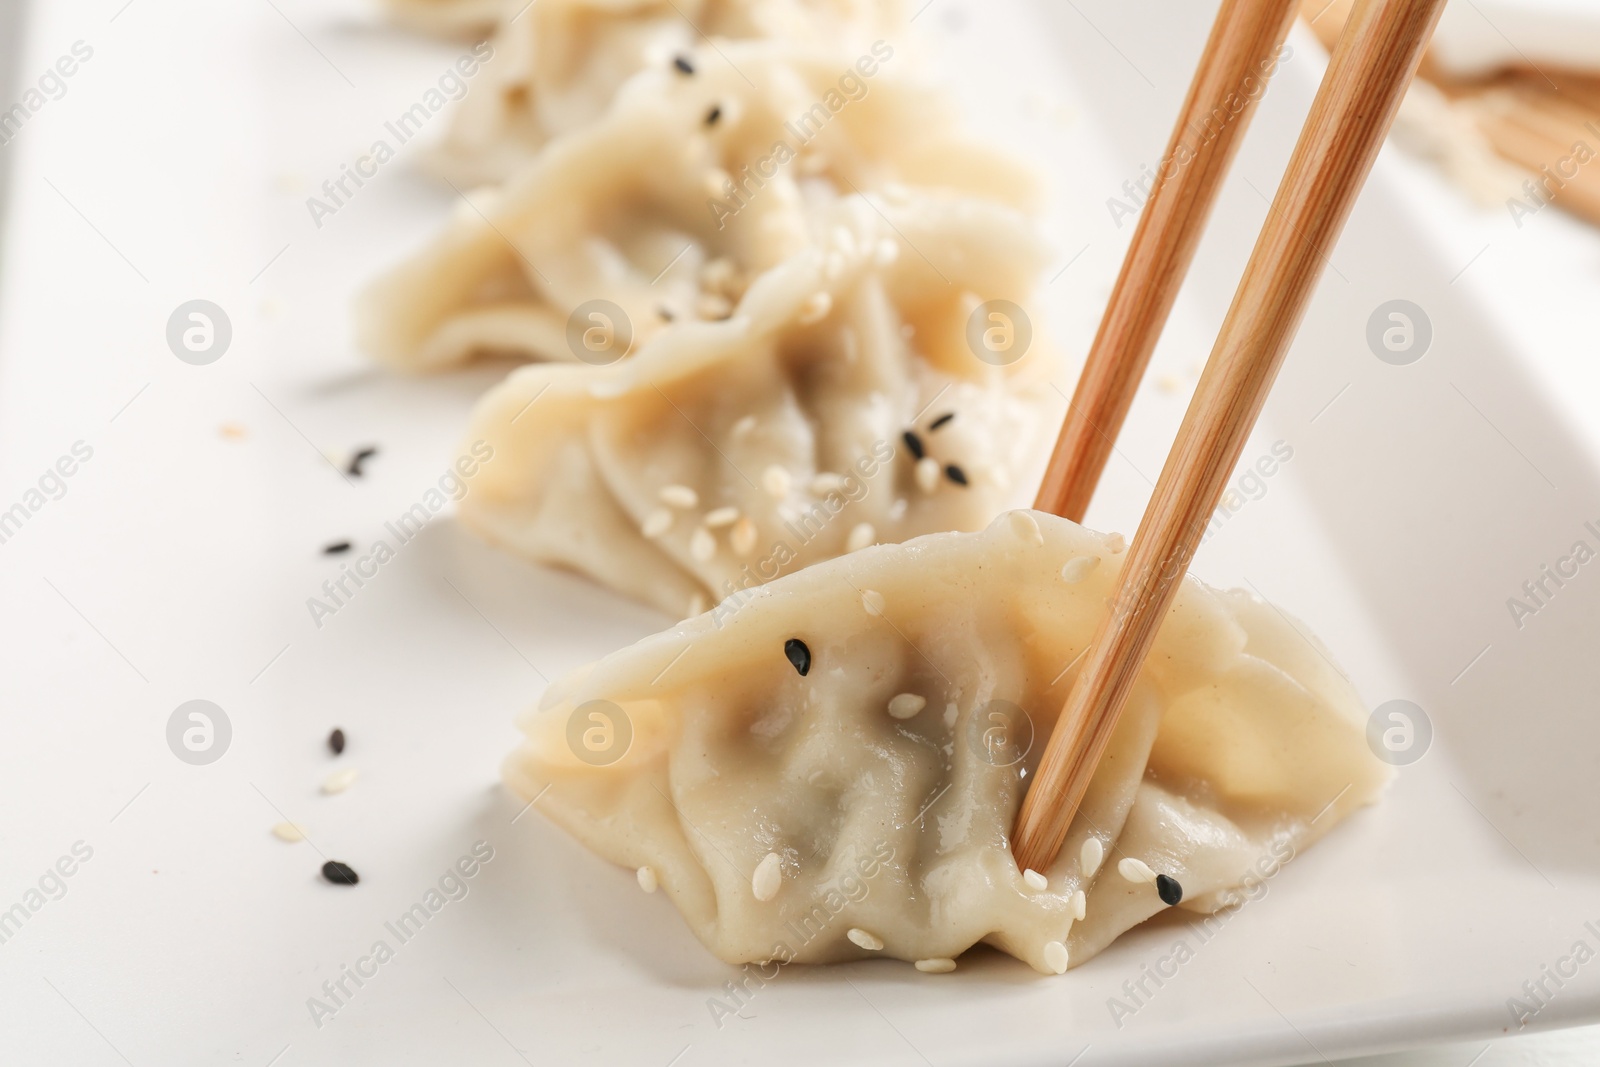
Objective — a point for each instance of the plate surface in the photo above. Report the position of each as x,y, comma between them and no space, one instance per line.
175,564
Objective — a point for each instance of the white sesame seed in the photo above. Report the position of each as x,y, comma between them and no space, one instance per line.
864,939
679,496
656,523
928,474
885,253
1090,855
905,705
817,306
720,275
339,781
288,831
647,879
1025,526
702,545
1076,570
1135,870
1034,880
768,877
1080,905
826,482
872,601
721,517
1055,957
744,426
860,537
936,966
1115,542
743,537
777,481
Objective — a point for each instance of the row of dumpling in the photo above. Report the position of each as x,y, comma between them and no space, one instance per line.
751,256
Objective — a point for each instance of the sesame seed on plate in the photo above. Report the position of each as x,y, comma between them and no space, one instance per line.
913,443
956,474
354,467
940,965
743,537
1090,855
1170,890
665,313
713,115
679,496
744,425
656,523
860,537
647,879
340,873
1055,957
1027,527
942,421
905,705
864,939
336,548
1080,905
768,877
336,741
777,481
927,474
339,781
683,64
720,517
1076,570
702,545
1135,870
872,601
1034,880
799,654
815,308
288,831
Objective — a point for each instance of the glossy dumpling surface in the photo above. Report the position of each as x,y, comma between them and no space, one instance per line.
812,816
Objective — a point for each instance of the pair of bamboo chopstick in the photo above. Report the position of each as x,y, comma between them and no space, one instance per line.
1374,61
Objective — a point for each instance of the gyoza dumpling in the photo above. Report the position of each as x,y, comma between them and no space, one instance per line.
452,18
558,65
642,209
831,770
842,404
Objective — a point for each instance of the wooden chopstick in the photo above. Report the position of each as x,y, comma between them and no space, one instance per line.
1374,61
1239,58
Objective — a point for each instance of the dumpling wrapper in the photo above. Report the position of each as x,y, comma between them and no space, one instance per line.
1240,746
635,209
558,66
828,361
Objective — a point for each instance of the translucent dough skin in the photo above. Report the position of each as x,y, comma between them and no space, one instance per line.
730,741
581,452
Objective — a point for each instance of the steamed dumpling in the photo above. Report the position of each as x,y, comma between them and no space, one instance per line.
666,211
452,18
558,65
803,815
842,404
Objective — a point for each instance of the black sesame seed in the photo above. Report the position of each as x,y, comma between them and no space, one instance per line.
713,115
798,654
361,456
336,741
336,548
665,313
340,873
1169,890
956,474
941,421
683,64
914,443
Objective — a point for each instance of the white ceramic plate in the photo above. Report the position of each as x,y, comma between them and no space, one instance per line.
177,562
